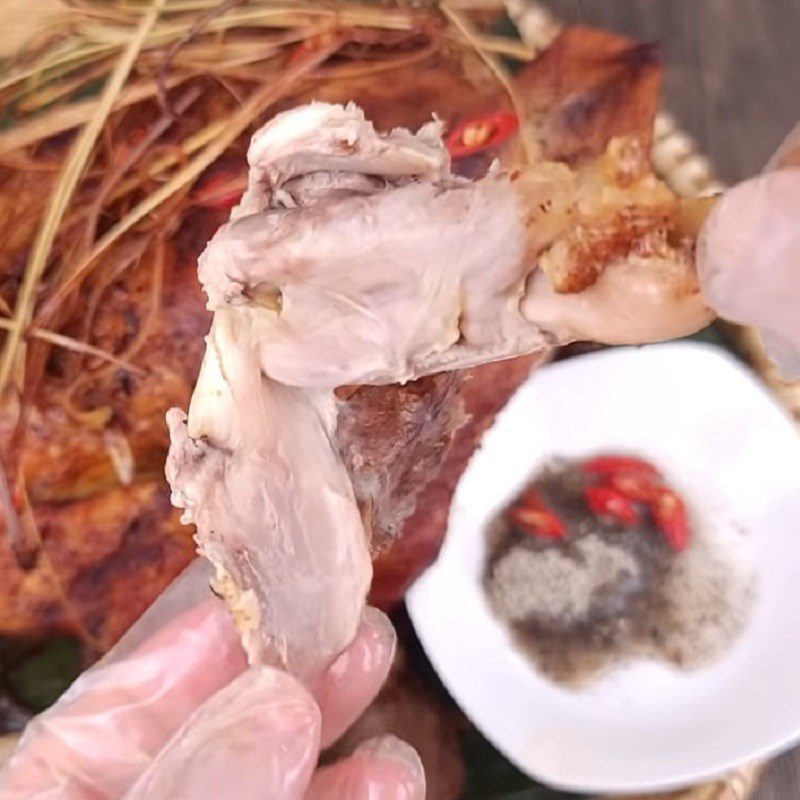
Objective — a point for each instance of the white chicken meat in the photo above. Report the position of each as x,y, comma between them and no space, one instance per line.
354,258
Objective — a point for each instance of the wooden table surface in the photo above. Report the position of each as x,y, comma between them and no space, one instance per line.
732,82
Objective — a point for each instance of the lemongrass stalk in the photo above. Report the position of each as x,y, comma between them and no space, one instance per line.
68,180
64,118
70,59
75,345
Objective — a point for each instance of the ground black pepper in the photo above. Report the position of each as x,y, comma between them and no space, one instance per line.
608,592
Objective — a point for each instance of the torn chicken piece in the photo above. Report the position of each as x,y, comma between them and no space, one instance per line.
365,261
411,275
256,472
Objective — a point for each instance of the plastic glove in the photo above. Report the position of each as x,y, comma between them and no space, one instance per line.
174,712
748,256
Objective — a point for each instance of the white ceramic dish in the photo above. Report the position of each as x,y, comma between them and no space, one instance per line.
645,726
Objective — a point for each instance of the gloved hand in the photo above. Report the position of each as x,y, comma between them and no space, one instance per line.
748,256
174,712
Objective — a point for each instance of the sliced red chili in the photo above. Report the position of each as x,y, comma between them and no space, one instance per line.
481,133
636,486
610,465
532,498
536,522
669,516
221,191
303,50
18,498
606,501
310,46
532,516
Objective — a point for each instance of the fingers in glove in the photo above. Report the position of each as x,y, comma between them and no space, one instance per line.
380,769
187,591
747,261
352,681
256,738
113,720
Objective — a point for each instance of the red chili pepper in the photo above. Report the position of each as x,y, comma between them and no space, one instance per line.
636,486
481,133
532,516
221,191
301,52
608,502
669,516
532,498
535,522
610,465
18,498
309,46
